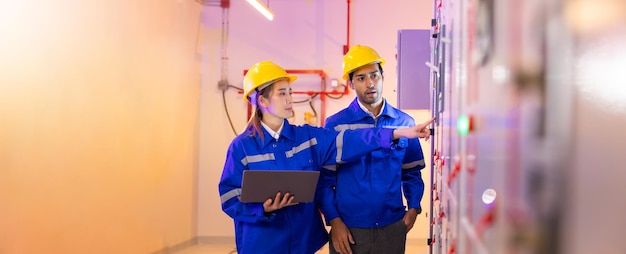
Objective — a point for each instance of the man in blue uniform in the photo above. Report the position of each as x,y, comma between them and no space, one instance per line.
362,200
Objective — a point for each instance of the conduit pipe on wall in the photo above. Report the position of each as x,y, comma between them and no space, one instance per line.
225,4
223,83
347,46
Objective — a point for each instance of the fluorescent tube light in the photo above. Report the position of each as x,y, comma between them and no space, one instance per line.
262,9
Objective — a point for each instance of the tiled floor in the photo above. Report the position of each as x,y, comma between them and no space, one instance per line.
230,249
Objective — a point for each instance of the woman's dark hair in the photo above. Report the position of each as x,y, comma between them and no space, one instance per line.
254,126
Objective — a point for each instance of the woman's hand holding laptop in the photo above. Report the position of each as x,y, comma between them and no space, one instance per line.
271,205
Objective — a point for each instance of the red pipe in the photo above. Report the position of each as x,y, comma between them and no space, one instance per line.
225,3
322,92
347,46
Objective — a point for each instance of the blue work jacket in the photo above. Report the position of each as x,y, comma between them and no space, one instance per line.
367,193
296,229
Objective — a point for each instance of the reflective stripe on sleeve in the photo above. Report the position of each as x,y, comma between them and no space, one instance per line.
395,127
330,167
306,145
231,194
339,144
413,164
257,158
343,127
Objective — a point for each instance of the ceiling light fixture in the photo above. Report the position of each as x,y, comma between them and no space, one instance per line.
262,9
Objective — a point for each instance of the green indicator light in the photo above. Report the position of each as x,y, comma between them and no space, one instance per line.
462,125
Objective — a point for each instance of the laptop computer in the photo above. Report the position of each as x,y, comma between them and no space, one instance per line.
259,185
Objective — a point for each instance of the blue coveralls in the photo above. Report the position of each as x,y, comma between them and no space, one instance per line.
296,229
368,193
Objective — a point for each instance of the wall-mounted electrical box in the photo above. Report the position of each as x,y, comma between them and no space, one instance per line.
413,75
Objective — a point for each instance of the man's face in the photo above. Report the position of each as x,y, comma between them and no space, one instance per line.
367,81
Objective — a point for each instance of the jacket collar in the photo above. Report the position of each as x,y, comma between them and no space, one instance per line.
357,113
287,132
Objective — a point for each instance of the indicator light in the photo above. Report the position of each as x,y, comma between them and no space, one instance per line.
463,125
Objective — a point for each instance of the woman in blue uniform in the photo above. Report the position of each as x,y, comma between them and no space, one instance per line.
280,225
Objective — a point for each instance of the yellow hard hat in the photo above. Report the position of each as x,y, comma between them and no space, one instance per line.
263,73
357,57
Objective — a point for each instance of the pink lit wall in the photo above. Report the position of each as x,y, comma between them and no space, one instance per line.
113,132
98,125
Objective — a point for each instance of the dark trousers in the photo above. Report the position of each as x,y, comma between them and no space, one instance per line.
390,239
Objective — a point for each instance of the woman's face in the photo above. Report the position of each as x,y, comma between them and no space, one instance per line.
280,103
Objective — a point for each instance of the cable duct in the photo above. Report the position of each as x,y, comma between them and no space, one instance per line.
223,83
